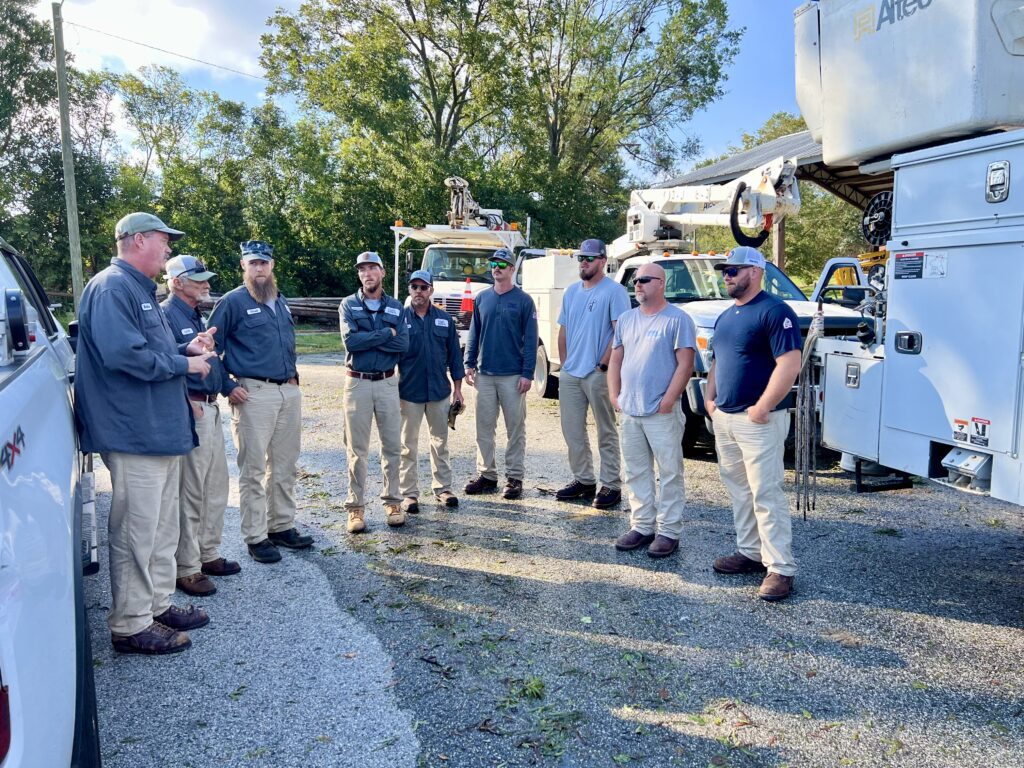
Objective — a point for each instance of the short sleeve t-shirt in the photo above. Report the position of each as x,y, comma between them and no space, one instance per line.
587,316
747,340
649,344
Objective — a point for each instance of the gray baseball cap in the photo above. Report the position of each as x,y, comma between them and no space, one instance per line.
256,249
742,256
141,222
593,247
422,274
369,257
189,267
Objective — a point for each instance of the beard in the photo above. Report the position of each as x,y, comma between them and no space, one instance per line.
265,292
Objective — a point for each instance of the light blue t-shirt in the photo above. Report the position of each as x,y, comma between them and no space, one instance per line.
649,344
587,316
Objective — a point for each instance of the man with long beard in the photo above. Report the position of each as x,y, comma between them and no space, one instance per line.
256,341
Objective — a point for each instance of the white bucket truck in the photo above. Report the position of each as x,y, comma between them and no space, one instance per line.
935,388
457,255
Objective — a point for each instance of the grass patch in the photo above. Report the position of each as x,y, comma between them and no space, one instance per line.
318,343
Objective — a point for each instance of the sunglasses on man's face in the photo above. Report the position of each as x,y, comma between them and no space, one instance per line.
646,279
733,271
419,287
500,265
586,258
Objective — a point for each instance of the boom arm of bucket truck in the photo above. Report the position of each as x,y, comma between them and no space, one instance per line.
755,201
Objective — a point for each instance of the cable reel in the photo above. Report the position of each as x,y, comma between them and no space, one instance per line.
876,225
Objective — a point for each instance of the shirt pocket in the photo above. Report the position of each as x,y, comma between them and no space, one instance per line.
256,320
153,329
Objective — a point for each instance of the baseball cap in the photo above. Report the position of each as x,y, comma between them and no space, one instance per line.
186,266
503,254
141,222
422,274
369,257
593,247
742,256
256,249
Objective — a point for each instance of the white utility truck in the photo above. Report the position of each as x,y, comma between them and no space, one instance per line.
935,388
457,254
47,538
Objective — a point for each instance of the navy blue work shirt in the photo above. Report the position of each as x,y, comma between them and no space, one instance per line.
253,340
130,394
370,346
186,322
747,339
503,334
433,352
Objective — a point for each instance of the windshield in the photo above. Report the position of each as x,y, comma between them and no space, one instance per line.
451,263
697,280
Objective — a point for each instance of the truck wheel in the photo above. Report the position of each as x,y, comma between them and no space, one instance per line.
544,383
86,748
694,430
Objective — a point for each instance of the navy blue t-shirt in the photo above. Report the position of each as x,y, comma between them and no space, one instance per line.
746,342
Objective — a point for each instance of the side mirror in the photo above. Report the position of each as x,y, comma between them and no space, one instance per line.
73,335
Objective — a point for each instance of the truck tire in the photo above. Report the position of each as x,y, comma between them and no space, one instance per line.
695,432
545,383
86,747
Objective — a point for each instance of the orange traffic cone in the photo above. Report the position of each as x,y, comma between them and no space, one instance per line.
467,299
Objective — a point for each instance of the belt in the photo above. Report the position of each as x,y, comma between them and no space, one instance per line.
371,376
279,382
202,398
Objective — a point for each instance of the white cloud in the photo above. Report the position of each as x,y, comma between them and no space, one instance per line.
224,32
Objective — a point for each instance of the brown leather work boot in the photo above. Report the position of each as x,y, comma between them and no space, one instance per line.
153,640
356,523
775,587
197,584
663,546
183,619
394,515
633,539
737,563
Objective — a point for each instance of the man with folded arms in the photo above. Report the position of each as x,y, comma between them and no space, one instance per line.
256,341
131,406
203,488
652,359
375,337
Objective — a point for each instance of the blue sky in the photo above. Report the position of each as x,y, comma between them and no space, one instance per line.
227,32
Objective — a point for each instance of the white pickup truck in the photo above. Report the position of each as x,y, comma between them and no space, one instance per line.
47,697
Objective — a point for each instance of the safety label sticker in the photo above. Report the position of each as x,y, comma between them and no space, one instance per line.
935,264
960,430
979,431
917,265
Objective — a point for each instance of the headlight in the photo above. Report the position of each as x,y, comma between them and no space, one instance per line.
703,361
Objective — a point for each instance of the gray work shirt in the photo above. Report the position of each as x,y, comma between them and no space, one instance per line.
186,323
503,334
130,394
433,351
252,340
370,346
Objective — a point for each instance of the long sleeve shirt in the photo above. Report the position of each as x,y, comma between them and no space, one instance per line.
370,345
503,334
252,339
130,394
433,352
186,323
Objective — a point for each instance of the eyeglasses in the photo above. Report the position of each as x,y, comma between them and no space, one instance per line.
733,271
646,279
419,287
500,265
589,259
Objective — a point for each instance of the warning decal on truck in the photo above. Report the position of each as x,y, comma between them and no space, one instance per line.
909,266
979,431
960,430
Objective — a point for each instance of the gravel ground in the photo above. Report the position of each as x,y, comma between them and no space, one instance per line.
512,633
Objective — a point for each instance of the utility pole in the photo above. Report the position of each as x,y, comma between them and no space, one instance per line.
779,244
70,192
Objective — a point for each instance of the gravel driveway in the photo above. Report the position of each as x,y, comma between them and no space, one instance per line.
512,633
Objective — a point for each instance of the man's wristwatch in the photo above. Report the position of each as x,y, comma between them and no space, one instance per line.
602,367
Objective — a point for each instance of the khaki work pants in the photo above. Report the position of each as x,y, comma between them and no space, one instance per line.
646,441
364,402
436,414
203,494
494,393
750,462
267,430
575,396
142,532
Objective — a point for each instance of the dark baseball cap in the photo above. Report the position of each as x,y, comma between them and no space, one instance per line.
256,249
593,247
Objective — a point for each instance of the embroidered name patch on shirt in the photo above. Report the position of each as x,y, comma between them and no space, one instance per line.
147,306
187,331
393,310
253,311
441,322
